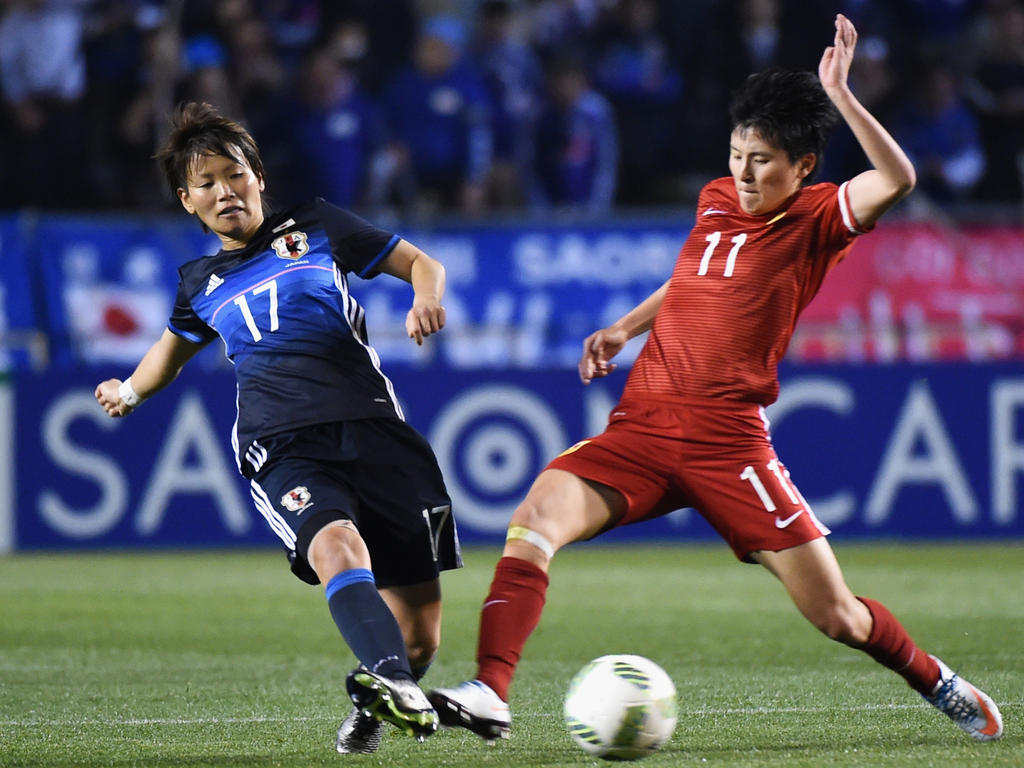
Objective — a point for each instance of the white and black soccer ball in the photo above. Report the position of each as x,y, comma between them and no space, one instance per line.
621,707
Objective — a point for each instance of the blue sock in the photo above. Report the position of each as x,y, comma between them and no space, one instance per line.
367,624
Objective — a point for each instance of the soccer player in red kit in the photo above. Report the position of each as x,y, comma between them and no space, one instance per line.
690,429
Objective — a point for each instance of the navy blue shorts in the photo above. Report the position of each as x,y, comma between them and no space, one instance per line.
379,473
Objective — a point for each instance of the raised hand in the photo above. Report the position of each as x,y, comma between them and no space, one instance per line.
835,61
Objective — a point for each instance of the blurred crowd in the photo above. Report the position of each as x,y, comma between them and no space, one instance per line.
488,106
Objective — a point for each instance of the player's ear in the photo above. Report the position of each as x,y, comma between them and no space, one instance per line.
186,201
806,164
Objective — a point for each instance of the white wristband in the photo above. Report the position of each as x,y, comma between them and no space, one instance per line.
128,394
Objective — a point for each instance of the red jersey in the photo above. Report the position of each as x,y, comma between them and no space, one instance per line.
738,286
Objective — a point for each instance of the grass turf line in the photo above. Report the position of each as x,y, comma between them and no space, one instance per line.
223,659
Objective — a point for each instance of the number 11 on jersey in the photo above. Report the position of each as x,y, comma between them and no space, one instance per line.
730,260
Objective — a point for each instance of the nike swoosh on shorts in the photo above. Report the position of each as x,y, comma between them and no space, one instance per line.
780,523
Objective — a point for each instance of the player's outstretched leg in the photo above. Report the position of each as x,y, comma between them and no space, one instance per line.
509,614
359,733
971,709
398,701
473,705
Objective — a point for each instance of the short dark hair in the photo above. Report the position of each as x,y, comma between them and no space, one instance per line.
787,108
198,129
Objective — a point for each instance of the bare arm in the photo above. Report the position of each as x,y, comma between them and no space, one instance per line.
892,177
426,275
601,346
158,368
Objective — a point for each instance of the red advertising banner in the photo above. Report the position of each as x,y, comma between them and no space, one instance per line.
921,291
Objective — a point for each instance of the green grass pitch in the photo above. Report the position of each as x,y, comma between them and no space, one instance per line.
224,659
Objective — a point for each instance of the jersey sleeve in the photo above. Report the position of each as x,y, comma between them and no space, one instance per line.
839,227
185,322
357,245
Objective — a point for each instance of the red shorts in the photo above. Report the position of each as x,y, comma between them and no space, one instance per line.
714,456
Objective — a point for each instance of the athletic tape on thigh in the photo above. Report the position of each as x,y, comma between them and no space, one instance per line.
520,533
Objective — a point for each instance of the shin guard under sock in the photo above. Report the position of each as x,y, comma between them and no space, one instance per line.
366,623
891,646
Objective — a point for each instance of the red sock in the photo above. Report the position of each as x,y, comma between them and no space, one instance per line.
891,646
509,615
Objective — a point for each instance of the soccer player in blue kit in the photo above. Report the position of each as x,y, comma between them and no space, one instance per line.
354,492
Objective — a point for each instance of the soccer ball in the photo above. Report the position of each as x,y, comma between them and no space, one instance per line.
621,707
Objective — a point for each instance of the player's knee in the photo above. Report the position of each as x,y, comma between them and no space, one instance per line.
532,516
335,548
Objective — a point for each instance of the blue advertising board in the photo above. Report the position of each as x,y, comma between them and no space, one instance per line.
22,343
898,451
517,296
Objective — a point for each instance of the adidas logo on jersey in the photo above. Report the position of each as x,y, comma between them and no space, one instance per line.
214,284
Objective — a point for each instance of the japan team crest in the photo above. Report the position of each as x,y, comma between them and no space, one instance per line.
293,246
297,499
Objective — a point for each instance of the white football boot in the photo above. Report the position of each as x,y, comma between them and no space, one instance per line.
965,705
474,706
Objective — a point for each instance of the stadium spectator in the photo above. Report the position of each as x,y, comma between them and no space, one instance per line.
575,144
336,130
634,69
941,135
265,42
256,71
558,25
293,24
764,33
996,91
140,117
384,46
512,75
43,76
757,34
690,429
437,113
115,42
936,25
205,74
319,429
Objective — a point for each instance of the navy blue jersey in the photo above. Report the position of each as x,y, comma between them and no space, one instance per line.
296,336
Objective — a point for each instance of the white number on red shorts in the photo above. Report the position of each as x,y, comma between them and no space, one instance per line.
750,475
